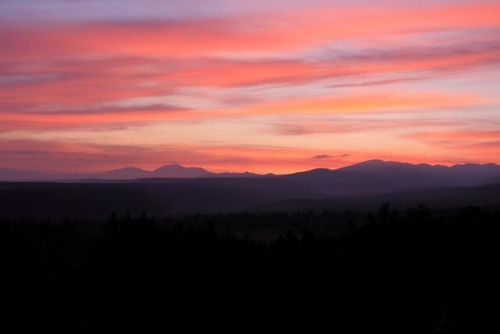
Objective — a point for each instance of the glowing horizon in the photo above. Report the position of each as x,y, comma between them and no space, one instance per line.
247,86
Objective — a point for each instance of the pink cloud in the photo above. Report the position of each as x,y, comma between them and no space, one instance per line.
240,33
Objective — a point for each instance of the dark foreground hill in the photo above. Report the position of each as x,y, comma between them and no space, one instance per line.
412,271
183,196
160,197
486,196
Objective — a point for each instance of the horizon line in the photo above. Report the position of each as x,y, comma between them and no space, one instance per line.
53,172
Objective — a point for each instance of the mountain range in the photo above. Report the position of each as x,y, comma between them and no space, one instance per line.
175,189
369,177
377,176
127,173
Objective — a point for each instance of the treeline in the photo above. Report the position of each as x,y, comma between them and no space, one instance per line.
412,271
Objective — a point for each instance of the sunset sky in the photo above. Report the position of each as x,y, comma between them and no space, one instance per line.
238,85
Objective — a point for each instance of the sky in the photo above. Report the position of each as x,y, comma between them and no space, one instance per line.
238,85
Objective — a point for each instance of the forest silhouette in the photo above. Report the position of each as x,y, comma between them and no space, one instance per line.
418,270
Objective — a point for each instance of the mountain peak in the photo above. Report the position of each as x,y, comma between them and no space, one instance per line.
126,169
170,167
370,165
179,171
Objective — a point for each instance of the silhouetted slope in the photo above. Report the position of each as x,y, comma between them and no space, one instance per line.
402,175
484,196
377,176
167,171
226,194
461,175
473,174
155,196
122,173
127,173
179,171
492,180
160,197
340,182
236,175
367,177
370,177
13,175
457,175
84,200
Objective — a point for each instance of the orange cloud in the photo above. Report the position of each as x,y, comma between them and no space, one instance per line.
360,125
480,146
464,136
33,121
397,101
133,116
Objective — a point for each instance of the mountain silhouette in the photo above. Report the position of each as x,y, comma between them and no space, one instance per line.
174,189
493,180
405,176
179,171
339,182
158,197
167,171
369,177
7,174
244,175
124,173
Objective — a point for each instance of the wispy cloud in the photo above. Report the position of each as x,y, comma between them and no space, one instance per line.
327,156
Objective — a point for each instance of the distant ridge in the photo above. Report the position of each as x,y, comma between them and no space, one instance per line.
7,174
174,189
378,176
133,173
179,171
458,175
493,180
124,173
236,175
368,177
